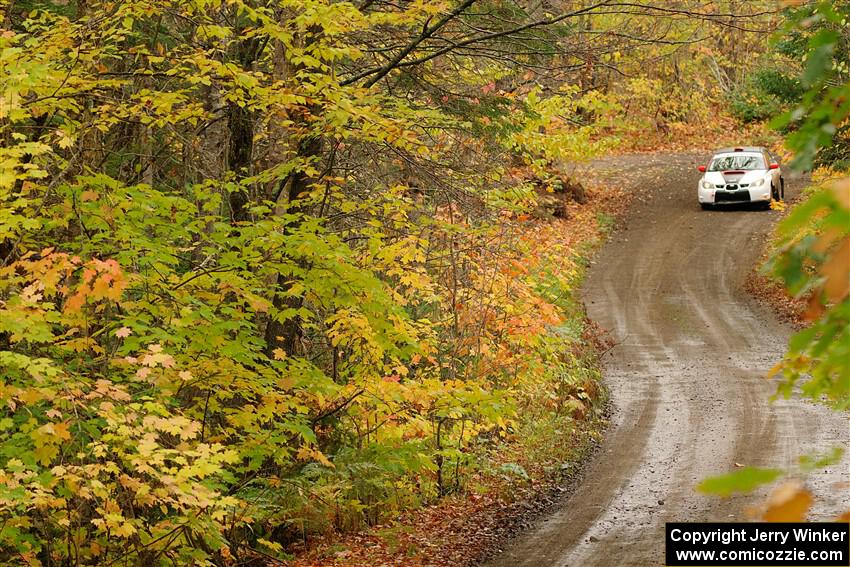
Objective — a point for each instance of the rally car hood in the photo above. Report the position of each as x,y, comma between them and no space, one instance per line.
735,176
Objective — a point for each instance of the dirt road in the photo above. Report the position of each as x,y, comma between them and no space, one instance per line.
686,379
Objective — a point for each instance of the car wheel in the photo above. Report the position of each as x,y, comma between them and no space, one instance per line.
774,193
705,206
782,188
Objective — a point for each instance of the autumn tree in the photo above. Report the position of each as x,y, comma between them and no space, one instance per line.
265,266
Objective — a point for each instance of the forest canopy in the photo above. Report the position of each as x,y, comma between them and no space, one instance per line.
269,268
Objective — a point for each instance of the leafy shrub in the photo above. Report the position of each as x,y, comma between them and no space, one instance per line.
764,94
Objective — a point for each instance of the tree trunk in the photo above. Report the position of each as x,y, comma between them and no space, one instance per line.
240,124
287,334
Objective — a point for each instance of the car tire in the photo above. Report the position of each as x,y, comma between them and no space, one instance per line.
705,206
782,188
774,193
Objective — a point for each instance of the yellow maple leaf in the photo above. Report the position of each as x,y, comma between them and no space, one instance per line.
61,431
319,456
124,530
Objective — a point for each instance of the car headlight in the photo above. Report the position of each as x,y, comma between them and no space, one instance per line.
707,185
758,182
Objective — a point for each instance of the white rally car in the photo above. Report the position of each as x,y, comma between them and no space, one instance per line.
741,175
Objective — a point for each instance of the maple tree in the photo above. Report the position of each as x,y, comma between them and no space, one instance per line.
268,268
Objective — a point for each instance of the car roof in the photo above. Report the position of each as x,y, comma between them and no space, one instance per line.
739,149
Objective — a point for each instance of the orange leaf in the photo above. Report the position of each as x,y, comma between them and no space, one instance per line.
841,190
61,431
788,503
75,303
836,270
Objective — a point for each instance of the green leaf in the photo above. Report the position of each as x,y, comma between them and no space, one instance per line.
744,480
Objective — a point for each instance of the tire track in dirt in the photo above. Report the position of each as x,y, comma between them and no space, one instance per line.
686,379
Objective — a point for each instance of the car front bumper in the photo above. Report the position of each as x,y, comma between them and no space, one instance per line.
722,197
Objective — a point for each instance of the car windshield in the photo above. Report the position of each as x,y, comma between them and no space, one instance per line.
738,161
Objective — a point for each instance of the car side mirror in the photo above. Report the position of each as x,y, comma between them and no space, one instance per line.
774,166
701,168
